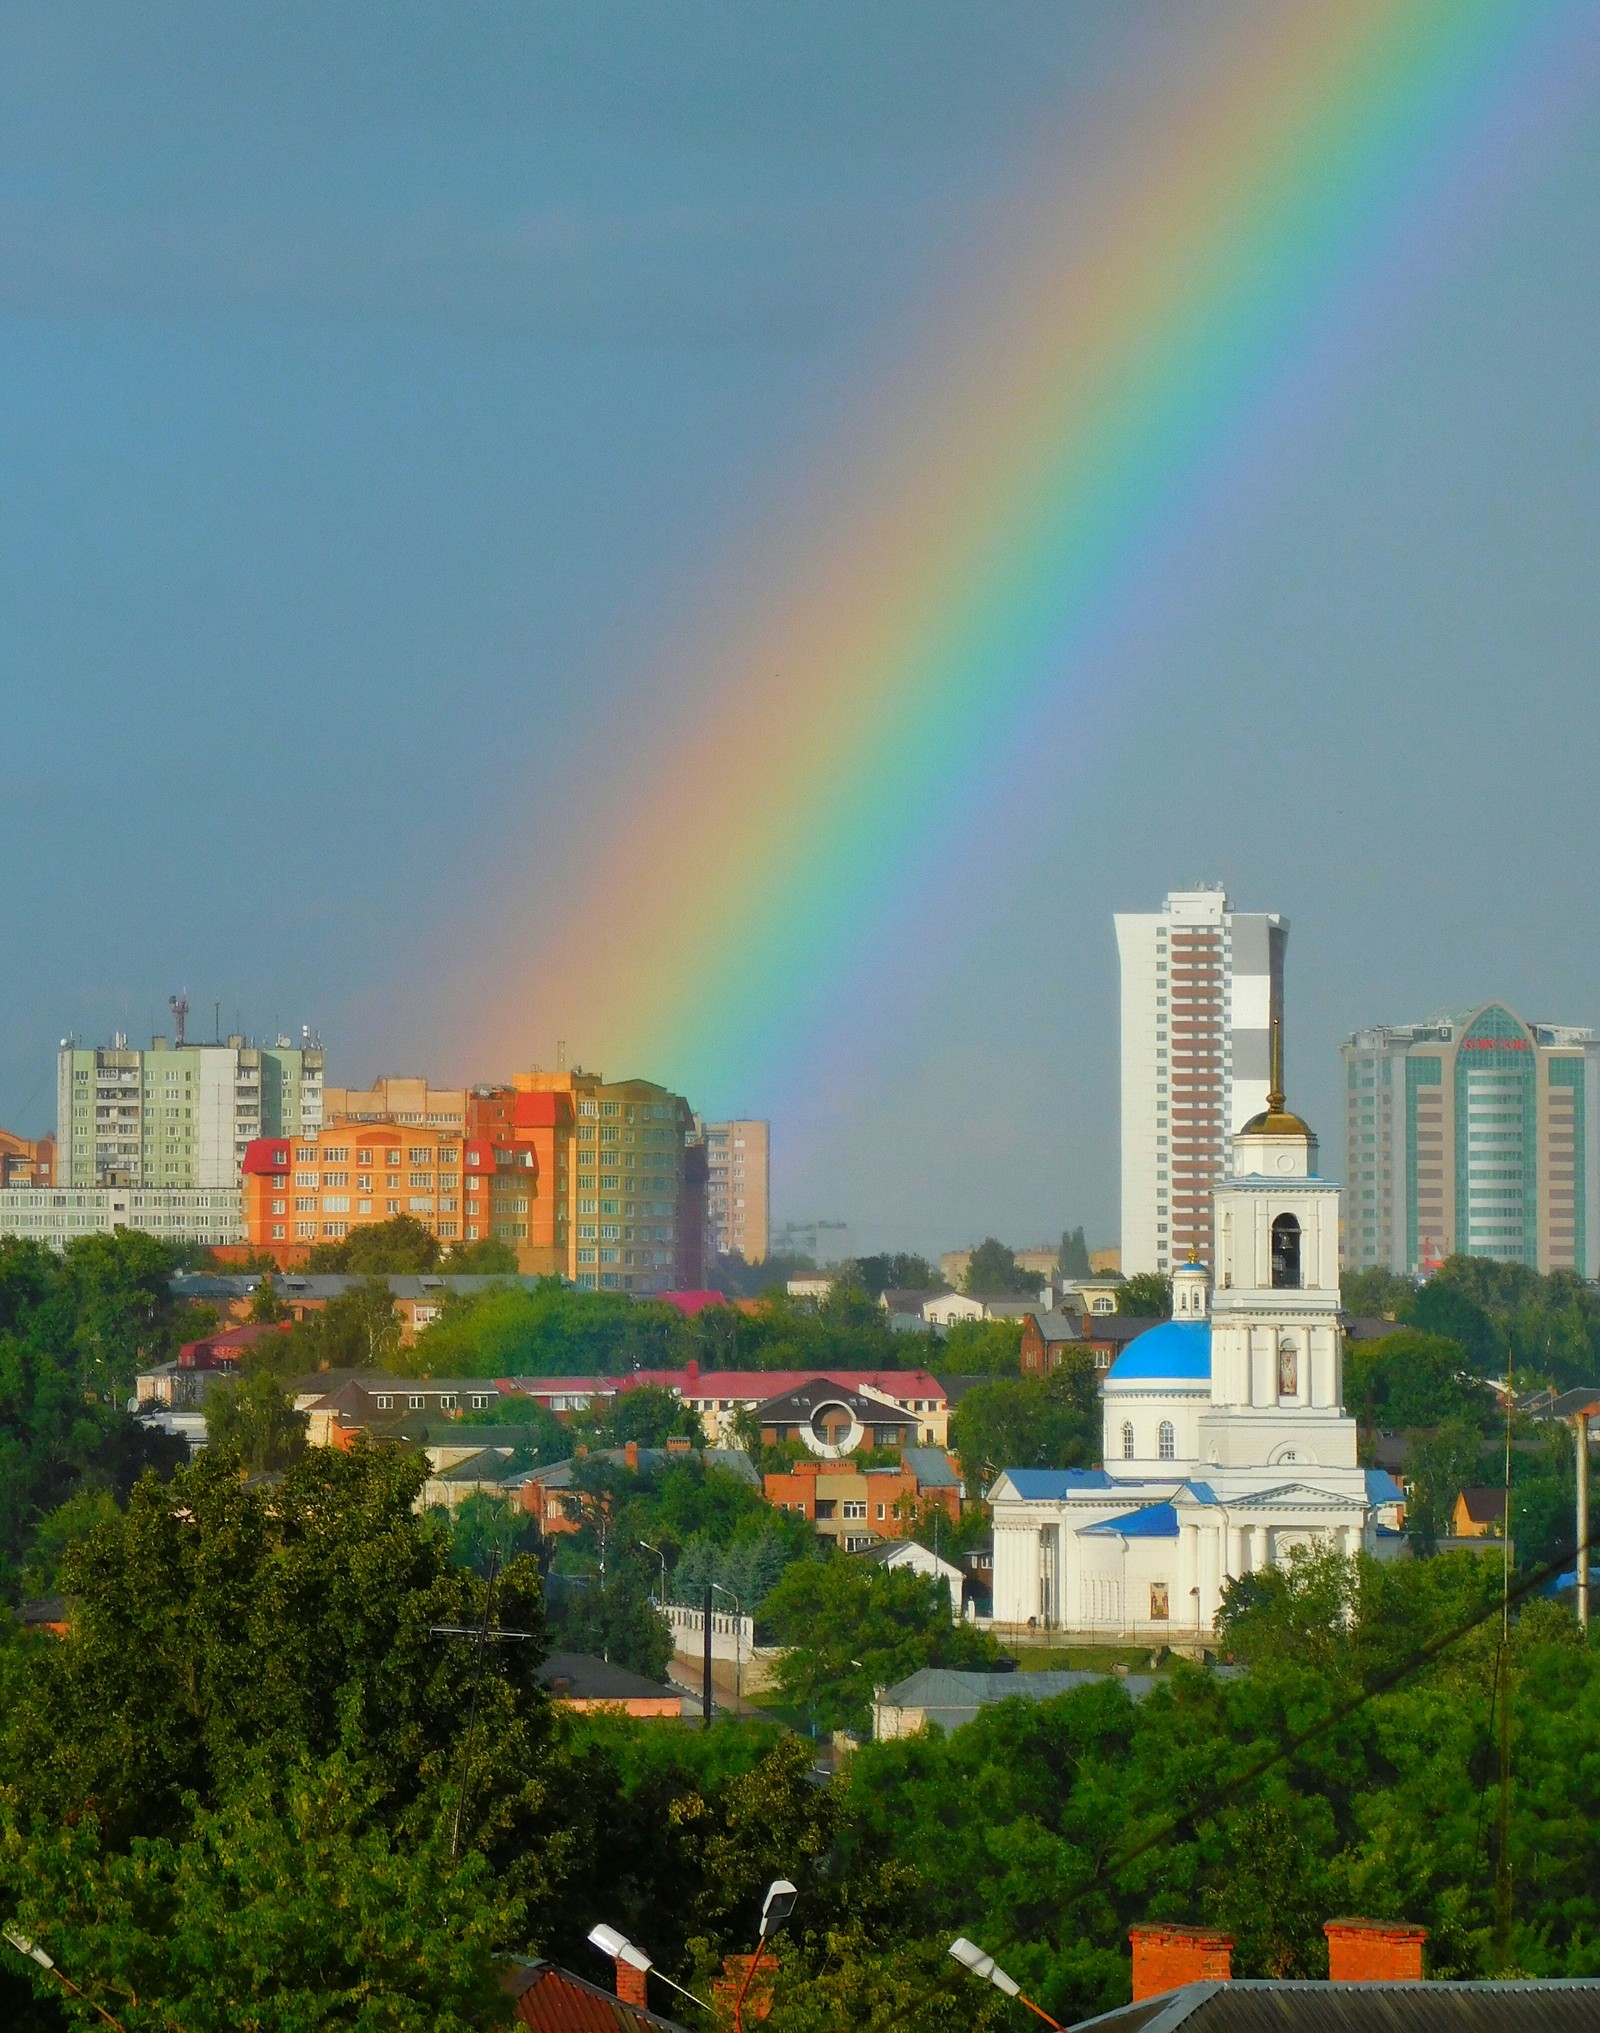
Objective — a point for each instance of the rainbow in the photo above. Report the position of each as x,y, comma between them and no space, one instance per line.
849,727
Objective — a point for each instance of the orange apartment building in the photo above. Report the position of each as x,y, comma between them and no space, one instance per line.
27,1161
856,1507
304,1190
398,1098
595,1181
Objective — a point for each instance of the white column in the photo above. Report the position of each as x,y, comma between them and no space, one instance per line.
1235,1551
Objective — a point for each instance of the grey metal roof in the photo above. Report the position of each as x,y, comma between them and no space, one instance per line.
731,1460
931,1466
591,1679
943,1690
1255,2005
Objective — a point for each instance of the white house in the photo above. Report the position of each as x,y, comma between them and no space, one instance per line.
1226,1444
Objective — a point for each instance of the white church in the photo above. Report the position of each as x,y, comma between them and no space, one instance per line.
1226,1440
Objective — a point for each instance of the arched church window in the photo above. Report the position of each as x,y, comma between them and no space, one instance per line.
1288,1369
1127,1440
1166,1441
1286,1254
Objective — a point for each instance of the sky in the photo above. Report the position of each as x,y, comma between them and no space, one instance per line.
394,399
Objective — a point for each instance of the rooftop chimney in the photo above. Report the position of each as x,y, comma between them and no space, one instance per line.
630,1454
1165,1957
1374,1951
631,1986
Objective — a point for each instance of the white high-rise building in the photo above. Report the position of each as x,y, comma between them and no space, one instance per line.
1202,986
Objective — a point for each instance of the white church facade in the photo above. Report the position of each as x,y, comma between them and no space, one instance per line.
1226,1444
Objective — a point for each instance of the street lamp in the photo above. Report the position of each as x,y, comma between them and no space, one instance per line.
738,1641
646,1546
621,1949
775,1910
985,1966
24,1946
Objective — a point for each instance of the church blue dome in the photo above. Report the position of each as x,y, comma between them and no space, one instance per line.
1178,1351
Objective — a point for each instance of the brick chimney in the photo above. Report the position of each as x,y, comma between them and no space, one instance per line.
631,1987
1165,1957
1374,1951
630,1454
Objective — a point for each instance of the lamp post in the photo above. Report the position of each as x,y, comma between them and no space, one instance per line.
646,1547
738,1641
621,1949
982,1965
24,1946
775,1910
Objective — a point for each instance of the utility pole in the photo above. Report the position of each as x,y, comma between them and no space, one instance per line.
484,1637
705,1693
1502,1864
1580,1425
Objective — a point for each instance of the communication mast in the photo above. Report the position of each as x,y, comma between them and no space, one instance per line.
179,1006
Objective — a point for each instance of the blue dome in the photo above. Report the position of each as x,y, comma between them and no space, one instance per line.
1178,1351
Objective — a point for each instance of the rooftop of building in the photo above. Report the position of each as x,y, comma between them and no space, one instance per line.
1177,1351
1269,2005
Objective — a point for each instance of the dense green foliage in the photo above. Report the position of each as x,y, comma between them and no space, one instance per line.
74,1331
896,1272
1498,1314
993,1267
405,1247
1050,1421
1409,1379
1147,1295
852,1625
255,1421
1072,1259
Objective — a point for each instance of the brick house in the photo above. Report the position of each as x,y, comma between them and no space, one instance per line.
857,1507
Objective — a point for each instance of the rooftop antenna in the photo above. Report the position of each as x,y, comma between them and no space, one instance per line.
179,1006
561,1055
1275,1091
216,1023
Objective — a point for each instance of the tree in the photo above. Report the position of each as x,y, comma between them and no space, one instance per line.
850,1626
1410,1379
1051,1421
485,1527
357,1330
615,1619
266,1307
1375,1294
1147,1295
899,1272
1445,1307
982,1348
291,1906
489,1256
647,1414
253,1419
1073,1258
993,1268
400,1247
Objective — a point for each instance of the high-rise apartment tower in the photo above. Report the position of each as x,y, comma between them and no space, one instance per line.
736,1189
1471,1134
178,1116
1202,986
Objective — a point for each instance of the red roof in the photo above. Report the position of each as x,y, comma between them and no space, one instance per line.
229,1343
691,1302
267,1154
540,1111
555,2001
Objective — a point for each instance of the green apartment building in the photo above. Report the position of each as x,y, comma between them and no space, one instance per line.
1472,1134
178,1117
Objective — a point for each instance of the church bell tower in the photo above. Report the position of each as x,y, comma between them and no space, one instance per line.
1276,1386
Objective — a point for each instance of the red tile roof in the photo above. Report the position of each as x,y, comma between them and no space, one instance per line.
553,2000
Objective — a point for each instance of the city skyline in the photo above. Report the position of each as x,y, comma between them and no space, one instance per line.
372,485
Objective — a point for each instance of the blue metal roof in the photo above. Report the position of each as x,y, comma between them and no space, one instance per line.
1176,1351
1382,1488
1155,1521
1055,1482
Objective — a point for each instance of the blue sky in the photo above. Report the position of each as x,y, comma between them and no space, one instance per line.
377,382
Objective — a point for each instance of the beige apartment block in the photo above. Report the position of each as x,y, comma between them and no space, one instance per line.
737,1187
398,1098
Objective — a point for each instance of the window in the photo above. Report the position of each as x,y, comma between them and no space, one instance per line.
448,1402
416,1403
824,1509
420,1179
336,1203
1166,1442
382,1404
855,1510
419,1203
481,1404
880,1510
391,1157
1286,1254
1127,1440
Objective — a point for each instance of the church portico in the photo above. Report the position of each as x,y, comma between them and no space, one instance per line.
1226,1446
